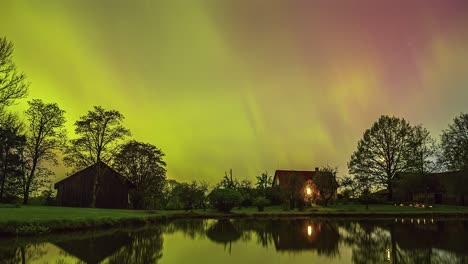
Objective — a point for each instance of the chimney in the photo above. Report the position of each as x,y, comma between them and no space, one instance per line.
316,169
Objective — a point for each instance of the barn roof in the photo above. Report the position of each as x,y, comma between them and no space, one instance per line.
91,169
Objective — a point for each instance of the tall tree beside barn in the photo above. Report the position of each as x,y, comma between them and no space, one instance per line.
45,136
382,152
12,142
454,144
144,166
13,84
99,133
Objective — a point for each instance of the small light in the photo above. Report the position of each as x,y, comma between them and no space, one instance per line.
309,191
309,230
388,254
411,220
424,221
401,204
432,220
417,221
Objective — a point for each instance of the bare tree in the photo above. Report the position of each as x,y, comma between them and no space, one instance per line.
46,134
13,84
99,132
382,152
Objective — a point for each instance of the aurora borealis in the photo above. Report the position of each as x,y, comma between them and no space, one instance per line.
248,85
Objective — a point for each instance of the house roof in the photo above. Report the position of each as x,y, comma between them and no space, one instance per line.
90,170
296,173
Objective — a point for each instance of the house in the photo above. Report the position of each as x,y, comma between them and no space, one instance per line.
76,190
299,182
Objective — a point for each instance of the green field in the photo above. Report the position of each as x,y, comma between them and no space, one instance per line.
43,219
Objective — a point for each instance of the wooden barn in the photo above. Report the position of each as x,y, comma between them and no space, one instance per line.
300,181
76,190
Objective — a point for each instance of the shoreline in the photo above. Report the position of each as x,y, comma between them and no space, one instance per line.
33,227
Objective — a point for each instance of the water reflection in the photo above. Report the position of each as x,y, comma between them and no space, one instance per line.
390,241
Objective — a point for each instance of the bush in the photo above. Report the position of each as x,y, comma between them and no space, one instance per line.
261,203
301,204
225,199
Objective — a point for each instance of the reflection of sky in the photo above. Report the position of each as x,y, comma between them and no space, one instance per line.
252,85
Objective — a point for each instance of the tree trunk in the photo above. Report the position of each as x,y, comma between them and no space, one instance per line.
2,187
390,192
96,181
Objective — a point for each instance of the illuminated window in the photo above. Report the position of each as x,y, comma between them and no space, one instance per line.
309,191
309,230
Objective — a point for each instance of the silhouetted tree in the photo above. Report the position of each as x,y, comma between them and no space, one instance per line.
99,132
382,152
143,165
264,181
454,144
422,151
12,82
292,191
12,142
45,135
192,195
325,182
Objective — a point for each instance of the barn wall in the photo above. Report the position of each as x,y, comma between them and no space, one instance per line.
76,191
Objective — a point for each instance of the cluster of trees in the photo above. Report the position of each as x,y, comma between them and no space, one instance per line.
393,146
28,148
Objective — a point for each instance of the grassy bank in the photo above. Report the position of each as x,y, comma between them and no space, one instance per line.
28,220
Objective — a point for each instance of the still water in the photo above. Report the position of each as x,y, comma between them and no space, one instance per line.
253,241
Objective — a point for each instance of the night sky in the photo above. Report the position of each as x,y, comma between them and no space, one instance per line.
249,85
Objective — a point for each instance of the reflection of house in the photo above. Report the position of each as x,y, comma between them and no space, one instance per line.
299,181
302,234
94,249
77,189
439,188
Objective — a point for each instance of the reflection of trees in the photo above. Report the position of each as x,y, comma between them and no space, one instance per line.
193,228
224,232
21,253
379,241
146,246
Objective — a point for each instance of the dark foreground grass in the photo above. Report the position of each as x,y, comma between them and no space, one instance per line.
30,220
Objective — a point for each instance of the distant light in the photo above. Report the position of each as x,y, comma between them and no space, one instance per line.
309,230
432,220
388,254
401,204
418,221
309,191
424,221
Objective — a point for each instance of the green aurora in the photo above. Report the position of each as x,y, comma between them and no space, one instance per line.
248,85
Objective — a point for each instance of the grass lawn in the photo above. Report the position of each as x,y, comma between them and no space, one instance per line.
41,219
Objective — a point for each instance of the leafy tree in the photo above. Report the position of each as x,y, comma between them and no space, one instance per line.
264,181
454,144
143,165
224,199
12,82
382,152
325,182
99,132
192,195
45,136
12,143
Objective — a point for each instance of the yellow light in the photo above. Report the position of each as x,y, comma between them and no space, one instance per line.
309,191
309,230
388,254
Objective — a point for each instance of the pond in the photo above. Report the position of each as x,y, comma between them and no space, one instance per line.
299,240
